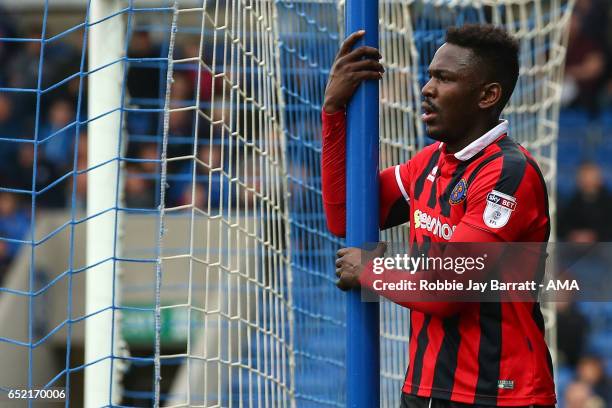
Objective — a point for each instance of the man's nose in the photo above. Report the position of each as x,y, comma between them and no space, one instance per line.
428,90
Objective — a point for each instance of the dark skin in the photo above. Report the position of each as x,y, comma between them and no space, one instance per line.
351,261
350,69
457,89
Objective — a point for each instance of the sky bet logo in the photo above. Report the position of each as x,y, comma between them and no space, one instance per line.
499,208
505,201
433,225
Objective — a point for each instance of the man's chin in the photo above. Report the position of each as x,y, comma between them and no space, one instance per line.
434,132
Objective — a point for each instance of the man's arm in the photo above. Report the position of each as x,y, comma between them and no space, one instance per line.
352,273
429,302
349,70
393,196
524,209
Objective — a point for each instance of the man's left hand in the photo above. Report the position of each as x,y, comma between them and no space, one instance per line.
350,263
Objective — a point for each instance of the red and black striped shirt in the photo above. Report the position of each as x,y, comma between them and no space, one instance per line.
483,353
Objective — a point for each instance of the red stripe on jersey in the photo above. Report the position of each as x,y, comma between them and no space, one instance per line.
515,342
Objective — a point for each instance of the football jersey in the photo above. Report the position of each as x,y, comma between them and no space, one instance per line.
489,353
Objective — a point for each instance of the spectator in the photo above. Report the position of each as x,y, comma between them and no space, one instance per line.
587,217
143,78
9,122
182,90
149,152
9,128
23,67
139,190
594,16
584,67
572,332
590,370
180,133
14,224
191,50
7,48
58,140
45,175
580,395
208,180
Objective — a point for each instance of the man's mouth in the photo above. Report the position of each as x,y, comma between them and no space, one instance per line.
429,112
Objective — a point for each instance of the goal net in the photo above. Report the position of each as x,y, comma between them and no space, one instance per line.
209,263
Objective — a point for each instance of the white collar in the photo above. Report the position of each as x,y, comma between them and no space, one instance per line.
483,141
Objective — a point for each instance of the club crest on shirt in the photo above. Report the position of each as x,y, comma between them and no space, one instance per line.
459,192
498,210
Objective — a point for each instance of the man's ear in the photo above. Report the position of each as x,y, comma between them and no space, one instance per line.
490,95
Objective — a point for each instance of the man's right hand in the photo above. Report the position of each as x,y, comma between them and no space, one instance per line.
350,68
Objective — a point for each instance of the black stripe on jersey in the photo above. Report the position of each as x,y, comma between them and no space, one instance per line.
538,318
537,313
431,203
444,374
398,214
422,342
535,166
445,196
489,354
420,182
480,166
513,167
411,339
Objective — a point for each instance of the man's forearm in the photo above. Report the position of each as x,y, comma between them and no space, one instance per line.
333,171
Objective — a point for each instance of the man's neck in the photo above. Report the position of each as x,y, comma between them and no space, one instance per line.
471,135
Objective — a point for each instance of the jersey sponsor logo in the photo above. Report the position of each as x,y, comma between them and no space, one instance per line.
505,384
498,210
459,192
433,224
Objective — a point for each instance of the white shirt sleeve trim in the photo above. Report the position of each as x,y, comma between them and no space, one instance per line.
398,179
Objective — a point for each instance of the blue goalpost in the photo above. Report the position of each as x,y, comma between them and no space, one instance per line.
362,334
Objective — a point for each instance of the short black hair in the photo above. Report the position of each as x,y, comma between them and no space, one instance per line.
496,51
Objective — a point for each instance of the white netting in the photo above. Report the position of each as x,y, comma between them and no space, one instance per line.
237,350
227,267
410,34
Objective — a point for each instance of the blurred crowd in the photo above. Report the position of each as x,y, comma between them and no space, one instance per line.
54,117
588,66
44,135
584,375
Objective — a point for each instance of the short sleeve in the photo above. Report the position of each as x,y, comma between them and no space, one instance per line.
401,174
505,201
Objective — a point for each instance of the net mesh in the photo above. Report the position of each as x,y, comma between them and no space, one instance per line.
227,293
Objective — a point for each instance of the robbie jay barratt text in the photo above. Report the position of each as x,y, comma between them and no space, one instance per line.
493,285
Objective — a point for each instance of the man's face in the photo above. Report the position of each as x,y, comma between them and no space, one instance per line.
452,94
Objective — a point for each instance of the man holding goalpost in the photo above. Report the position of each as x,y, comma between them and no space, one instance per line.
475,184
